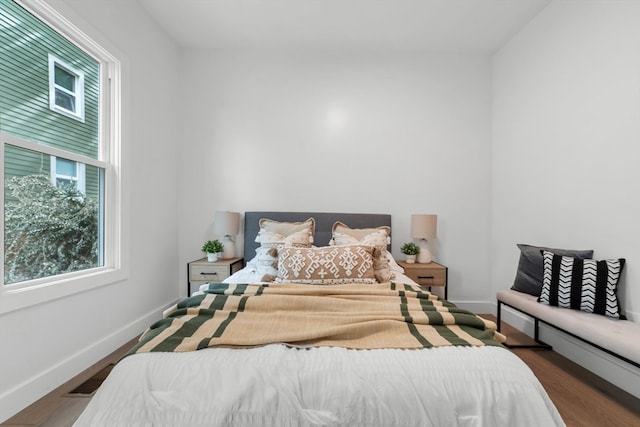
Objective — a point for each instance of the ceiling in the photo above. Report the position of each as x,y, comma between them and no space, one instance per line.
462,26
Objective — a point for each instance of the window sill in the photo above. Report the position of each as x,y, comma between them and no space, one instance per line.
16,297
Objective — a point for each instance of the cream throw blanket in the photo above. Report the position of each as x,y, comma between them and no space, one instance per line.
357,316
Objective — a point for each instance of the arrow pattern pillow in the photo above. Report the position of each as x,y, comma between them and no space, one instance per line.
581,284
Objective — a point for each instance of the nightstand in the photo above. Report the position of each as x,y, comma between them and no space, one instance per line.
427,275
202,271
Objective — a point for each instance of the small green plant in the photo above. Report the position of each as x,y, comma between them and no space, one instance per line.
410,249
212,246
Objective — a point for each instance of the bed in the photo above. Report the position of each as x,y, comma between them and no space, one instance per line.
296,340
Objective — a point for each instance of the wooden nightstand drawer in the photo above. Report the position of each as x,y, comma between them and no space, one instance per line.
428,275
208,273
201,271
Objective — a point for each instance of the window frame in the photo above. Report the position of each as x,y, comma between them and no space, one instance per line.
115,266
78,94
79,178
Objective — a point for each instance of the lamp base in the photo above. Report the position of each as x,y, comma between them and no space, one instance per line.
424,256
229,248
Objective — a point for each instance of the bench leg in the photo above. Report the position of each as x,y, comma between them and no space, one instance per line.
536,338
536,325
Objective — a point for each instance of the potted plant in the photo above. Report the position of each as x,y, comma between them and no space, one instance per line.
410,250
212,248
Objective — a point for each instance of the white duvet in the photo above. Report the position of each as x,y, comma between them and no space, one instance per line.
277,385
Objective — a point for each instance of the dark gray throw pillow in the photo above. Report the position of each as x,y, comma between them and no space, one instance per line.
530,267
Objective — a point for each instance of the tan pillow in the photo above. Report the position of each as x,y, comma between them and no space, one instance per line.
359,233
270,239
287,228
378,237
328,265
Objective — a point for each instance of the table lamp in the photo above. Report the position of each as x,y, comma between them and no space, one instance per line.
227,223
424,227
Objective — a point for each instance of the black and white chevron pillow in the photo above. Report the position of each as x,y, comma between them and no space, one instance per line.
581,284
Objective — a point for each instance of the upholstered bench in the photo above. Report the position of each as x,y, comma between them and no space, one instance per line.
619,338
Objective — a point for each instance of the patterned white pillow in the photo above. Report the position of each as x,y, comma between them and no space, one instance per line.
327,265
377,237
266,263
274,235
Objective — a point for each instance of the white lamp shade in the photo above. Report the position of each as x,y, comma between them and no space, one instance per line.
226,223
424,226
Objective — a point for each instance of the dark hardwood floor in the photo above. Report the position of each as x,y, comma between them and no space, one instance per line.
583,399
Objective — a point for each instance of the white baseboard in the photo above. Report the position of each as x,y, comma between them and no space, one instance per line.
634,316
41,383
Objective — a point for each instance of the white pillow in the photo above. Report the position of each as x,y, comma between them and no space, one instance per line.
266,259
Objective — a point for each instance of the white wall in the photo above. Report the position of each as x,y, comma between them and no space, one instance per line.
45,345
377,132
396,133
566,123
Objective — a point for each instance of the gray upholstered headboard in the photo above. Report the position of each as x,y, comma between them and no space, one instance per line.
324,224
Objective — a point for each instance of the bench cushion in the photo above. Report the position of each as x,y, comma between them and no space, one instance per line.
616,335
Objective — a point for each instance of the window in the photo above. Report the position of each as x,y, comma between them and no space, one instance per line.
66,88
60,147
66,173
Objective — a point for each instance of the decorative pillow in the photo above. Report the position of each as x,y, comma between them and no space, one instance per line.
274,235
270,239
393,265
377,237
359,233
266,259
287,228
529,275
581,284
266,262
328,265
